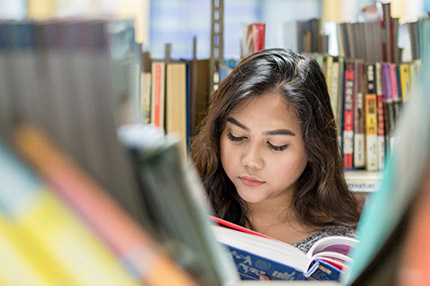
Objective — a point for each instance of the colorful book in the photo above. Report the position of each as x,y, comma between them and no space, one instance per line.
58,232
129,241
255,254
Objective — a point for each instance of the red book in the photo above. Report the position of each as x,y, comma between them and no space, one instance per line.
158,93
228,224
348,116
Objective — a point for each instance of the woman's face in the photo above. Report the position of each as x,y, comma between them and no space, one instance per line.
262,149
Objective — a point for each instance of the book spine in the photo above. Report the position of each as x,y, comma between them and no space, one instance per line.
381,115
395,92
388,105
348,116
145,97
371,120
340,100
176,102
158,94
334,89
328,72
359,140
405,81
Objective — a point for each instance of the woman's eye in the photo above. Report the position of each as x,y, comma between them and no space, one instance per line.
234,138
277,148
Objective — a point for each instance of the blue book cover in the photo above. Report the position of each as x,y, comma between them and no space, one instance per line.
251,266
255,255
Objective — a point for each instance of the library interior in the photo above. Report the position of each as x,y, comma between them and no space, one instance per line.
138,140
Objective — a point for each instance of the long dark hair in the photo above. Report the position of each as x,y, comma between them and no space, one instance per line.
321,195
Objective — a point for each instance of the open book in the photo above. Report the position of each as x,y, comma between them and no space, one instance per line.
256,254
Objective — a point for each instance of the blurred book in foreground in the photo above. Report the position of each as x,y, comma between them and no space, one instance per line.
176,204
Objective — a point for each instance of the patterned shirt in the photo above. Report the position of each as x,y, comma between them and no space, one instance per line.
330,230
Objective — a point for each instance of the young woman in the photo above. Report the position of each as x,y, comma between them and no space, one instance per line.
268,154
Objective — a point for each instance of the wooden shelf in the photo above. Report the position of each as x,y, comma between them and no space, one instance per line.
362,181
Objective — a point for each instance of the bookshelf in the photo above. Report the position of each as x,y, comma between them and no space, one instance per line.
362,181
102,164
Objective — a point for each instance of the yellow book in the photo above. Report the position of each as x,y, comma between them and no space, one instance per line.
24,262
371,122
405,81
47,222
40,9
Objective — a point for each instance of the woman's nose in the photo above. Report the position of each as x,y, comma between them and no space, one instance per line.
252,158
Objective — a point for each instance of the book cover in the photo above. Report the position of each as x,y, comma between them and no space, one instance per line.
255,254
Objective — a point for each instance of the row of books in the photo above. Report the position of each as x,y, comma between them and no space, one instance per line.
376,37
175,95
394,226
80,205
367,99
64,223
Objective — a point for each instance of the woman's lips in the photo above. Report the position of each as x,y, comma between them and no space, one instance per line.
250,181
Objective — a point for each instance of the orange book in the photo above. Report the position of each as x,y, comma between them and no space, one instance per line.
415,263
128,240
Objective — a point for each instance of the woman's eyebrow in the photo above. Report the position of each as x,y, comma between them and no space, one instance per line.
237,123
271,132
280,132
